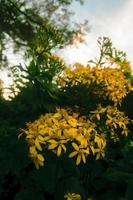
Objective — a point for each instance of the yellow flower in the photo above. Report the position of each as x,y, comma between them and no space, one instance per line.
80,152
58,145
108,83
38,142
58,131
37,158
73,122
82,140
72,196
100,153
40,49
100,141
70,133
113,119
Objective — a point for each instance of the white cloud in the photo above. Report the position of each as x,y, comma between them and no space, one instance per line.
117,25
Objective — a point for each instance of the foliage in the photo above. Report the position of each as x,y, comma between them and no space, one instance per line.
20,19
1,89
59,110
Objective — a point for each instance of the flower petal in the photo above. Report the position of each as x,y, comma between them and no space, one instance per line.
78,159
59,151
75,146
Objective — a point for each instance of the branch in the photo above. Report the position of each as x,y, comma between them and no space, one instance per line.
24,13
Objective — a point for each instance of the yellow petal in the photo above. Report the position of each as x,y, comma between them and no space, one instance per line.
43,131
33,150
41,138
109,116
72,132
98,141
20,135
36,164
73,122
63,147
37,144
74,153
57,115
83,158
59,151
98,156
89,130
75,146
97,116
40,157
52,146
46,138
29,136
114,124
41,163
92,149
78,159
86,151
53,141
80,138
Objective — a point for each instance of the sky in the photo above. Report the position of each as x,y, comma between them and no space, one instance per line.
110,18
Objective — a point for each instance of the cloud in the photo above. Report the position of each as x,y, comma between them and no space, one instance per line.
116,24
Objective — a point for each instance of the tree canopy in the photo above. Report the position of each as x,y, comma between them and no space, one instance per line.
19,21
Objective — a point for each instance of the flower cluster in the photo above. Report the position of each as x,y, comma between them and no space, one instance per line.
113,120
109,83
72,196
77,136
67,131
62,131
